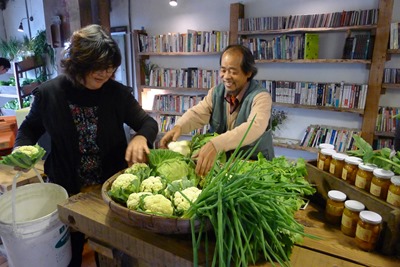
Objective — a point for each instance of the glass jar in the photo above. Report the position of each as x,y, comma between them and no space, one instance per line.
337,164
380,183
350,169
325,158
364,176
334,206
393,196
324,146
350,217
368,230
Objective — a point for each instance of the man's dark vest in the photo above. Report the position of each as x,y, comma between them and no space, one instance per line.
218,118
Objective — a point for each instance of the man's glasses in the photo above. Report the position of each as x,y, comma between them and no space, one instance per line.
109,70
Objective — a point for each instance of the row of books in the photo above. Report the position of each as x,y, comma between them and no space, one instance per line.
184,77
385,121
383,142
340,95
326,20
341,138
394,35
167,122
391,75
192,41
304,46
359,46
175,102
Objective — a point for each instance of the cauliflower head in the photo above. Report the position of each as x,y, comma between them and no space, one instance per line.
124,185
153,184
27,150
182,147
134,199
184,198
141,170
157,204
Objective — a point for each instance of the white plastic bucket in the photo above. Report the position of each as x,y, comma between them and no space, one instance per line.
37,238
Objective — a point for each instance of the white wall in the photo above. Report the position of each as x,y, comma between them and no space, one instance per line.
157,17
13,14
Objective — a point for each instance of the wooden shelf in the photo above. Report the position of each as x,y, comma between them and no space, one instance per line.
300,30
164,112
178,89
179,53
315,61
384,134
391,85
393,51
292,144
336,109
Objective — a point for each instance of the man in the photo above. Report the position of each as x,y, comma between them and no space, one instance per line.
5,65
229,108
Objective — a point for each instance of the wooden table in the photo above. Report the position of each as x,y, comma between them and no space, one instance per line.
7,174
111,236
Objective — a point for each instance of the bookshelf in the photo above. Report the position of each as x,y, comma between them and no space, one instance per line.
170,91
373,66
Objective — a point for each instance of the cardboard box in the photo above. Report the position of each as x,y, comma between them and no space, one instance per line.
8,131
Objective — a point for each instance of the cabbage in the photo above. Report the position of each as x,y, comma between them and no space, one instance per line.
173,170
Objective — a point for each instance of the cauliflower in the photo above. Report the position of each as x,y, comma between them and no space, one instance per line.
183,199
156,204
141,170
134,199
24,157
27,150
182,147
124,185
177,185
153,184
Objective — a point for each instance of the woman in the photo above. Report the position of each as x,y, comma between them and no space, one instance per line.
84,111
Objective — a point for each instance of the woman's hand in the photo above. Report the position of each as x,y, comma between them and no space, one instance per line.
137,150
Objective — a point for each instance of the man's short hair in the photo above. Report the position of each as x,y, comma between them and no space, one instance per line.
5,63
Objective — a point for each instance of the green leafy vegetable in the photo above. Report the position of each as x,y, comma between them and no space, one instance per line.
24,157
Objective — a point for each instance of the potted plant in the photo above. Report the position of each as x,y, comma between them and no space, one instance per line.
278,117
147,67
9,49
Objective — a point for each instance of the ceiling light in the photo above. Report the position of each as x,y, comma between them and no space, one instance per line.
173,2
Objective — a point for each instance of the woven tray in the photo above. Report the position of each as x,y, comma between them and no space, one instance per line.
153,223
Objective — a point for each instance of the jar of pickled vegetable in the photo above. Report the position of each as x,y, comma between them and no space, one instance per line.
324,146
350,169
368,230
380,183
325,158
337,164
334,206
364,176
350,216
393,196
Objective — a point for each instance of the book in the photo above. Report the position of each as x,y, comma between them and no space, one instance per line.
311,45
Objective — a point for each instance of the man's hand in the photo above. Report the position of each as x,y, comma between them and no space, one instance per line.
205,159
170,136
137,150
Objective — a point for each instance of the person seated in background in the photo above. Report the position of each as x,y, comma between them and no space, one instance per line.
229,108
83,110
5,65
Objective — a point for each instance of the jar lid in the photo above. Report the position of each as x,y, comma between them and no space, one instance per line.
367,167
381,173
339,156
326,145
327,151
354,205
353,160
337,195
370,217
395,180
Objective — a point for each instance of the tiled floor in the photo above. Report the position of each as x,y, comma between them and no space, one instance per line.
88,258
